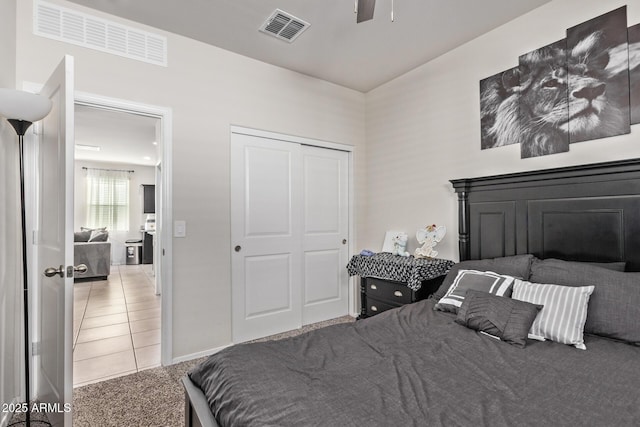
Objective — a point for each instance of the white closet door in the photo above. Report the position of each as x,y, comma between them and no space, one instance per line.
325,232
289,230
266,236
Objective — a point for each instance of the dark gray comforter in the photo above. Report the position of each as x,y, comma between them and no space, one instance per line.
415,366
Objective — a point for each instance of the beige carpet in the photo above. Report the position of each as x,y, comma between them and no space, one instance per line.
154,397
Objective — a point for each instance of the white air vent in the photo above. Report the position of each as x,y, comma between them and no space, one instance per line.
70,26
284,26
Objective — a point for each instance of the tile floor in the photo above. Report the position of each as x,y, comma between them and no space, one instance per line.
116,325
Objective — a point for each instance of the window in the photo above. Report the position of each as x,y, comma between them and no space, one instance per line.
108,199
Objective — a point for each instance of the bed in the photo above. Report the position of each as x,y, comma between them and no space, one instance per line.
418,366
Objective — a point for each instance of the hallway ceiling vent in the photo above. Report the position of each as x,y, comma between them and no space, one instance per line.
70,26
284,26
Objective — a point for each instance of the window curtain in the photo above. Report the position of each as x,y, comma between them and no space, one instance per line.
108,199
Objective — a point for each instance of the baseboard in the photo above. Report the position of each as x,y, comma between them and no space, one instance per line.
197,355
5,417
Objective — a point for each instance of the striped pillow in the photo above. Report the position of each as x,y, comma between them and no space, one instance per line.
485,281
564,314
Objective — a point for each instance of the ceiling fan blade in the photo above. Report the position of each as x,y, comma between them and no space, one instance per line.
365,10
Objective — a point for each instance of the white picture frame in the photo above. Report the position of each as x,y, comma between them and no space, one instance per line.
387,245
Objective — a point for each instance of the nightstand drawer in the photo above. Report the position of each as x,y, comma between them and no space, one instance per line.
388,291
374,306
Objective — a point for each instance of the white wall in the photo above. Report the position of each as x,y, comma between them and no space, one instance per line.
8,45
141,175
209,90
423,128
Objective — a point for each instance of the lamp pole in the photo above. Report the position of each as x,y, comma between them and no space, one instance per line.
21,109
21,127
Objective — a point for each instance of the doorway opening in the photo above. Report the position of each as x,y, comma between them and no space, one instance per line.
116,306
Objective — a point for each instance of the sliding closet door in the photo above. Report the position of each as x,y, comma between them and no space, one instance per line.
266,236
289,230
325,232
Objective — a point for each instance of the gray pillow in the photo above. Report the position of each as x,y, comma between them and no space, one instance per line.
615,266
614,306
466,280
81,236
504,318
517,266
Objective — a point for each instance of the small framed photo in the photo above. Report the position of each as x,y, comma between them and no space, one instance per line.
388,244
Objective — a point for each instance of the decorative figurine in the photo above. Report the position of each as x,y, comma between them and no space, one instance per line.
400,244
428,237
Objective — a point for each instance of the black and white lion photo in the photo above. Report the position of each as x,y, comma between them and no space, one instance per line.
573,90
634,72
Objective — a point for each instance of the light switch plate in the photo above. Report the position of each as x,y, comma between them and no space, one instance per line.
180,229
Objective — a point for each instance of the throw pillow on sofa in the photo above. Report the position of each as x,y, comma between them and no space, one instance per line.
81,236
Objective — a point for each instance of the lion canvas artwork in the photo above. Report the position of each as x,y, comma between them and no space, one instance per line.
598,62
634,72
543,111
499,109
576,89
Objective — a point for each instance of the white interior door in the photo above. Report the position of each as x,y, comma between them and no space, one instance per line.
265,230
289,230
53,367
325,233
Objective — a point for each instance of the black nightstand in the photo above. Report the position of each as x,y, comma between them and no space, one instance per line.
390,281
378,295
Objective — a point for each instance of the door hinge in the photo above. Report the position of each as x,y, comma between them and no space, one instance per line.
35,348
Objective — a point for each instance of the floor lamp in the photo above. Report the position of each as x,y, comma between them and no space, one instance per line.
21,109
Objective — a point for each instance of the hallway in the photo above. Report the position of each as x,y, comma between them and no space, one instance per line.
116,328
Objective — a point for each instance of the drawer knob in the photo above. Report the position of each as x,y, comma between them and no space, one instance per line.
397,293
374,308
374,287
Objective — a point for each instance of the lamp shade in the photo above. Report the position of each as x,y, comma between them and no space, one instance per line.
25,106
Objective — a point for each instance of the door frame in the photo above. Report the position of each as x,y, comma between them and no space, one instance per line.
354,290
165,250
165,115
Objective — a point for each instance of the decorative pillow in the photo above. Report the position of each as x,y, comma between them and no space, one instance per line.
99,236
504,318
564,314
486,281
81,236
614,306
516,266
92,229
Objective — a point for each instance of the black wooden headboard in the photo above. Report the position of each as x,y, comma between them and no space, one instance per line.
579,213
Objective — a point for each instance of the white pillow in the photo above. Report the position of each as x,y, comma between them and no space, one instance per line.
564,313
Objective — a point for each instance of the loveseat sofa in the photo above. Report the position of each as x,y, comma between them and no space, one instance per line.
96,255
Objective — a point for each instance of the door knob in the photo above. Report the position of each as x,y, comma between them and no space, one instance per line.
237,248
80,268
52,271
344,241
